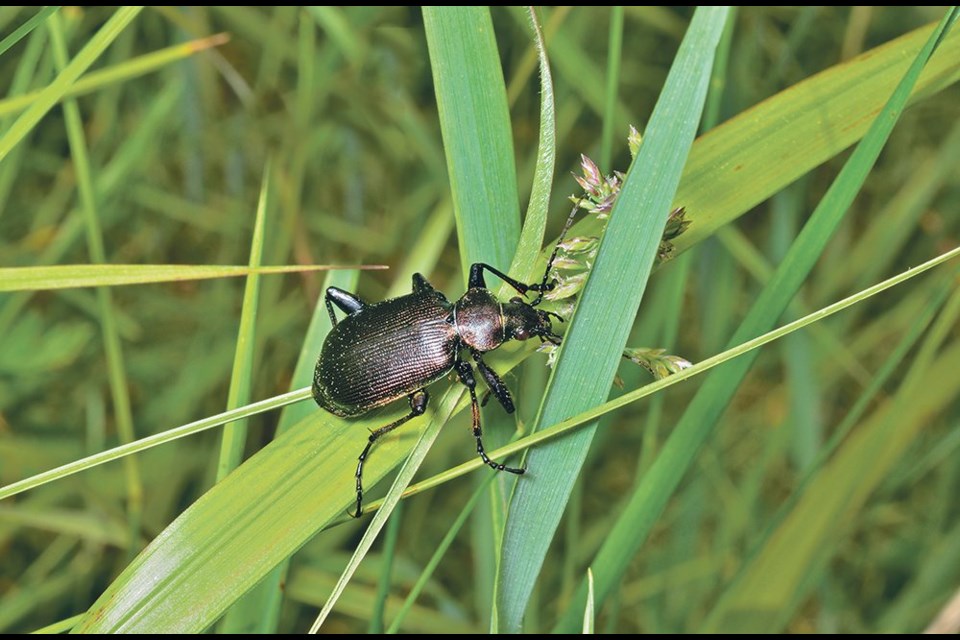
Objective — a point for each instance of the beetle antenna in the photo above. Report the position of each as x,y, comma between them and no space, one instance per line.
553,256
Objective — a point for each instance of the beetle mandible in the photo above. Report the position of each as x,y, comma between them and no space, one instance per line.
388,350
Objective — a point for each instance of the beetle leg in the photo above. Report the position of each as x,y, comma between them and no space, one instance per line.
345,301
418,405
494,383
465,371
420,284
476,279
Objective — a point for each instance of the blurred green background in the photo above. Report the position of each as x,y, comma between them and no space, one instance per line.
342,101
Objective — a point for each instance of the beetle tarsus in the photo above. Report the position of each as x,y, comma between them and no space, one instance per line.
466,376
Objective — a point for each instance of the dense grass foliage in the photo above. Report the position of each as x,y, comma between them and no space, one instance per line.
817,494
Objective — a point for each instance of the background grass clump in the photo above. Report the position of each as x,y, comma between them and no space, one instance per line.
824,498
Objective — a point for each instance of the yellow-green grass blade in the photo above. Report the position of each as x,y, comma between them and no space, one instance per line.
650,498
757,153
66,78
605,312
242,528
116,74
438,555
61,626
69,276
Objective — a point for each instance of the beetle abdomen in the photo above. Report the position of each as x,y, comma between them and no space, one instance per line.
384,352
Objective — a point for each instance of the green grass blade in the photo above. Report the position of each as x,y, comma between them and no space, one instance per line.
62,83
607,307
61,626
233,439
24,29
118,453
69,276
650,498
266,599
388,555
531,237
475,124
116,368
234,434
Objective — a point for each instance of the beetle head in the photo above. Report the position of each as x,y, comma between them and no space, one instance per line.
523,322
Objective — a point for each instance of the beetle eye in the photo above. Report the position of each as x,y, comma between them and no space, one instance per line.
521,333
516,299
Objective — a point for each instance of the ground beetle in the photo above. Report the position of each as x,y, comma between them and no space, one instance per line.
384,351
